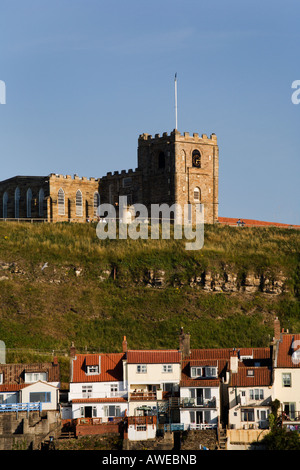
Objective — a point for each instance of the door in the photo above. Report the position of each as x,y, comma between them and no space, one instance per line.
199,396
88,410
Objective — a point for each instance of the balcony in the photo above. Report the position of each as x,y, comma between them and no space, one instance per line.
291,418
16,407
198,402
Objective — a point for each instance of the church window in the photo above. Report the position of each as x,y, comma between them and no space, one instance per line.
79,203
41,202
96,202
197,194
28,202
61,202
5,200
17,203
161,160
196,159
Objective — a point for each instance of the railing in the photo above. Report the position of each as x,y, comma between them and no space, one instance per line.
16,407
29,219
290,417
73,396
97,421
198,402
143,396
173,427
200,426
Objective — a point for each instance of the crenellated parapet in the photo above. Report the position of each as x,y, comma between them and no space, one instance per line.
177,136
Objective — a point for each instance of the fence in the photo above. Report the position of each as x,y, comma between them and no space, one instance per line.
16,407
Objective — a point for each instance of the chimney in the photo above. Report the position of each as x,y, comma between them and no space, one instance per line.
276,329
124,344
72,351
234,363
55,361
184,343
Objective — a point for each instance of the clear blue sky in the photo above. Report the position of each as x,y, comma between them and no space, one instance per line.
85,77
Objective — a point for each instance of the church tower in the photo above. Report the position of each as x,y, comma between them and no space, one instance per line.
180,169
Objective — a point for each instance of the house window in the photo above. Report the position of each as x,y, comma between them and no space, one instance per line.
286,380
43,397
94,369
114,389
17,203
247,415
141,368
96,202
210,371
250,373
5,201
61,202
41,202
1,378
196,371
256,394
167,368
87,391
28,202
112,411
79,211
141,427
31,377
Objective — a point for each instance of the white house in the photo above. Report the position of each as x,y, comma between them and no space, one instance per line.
97,388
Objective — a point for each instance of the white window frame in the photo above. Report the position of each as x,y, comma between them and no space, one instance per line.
93,369
141,369
87,391
286,379
32,377
167,368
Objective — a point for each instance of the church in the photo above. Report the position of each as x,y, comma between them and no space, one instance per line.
172,168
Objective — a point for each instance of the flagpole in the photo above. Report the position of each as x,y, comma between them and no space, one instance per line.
176,101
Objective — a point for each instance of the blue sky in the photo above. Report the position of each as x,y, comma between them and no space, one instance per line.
85,77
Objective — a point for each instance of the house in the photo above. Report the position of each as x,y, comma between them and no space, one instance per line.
97,389
200,391
36,385
249,394
286,375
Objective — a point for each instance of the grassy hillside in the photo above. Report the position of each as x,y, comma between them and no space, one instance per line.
94,292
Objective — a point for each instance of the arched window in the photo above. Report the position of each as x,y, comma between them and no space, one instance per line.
96,202
161,160
41,202
78,203
17,203
5,201
28,201
61,202
197,194
196,159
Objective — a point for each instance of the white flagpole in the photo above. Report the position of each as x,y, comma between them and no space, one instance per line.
176,101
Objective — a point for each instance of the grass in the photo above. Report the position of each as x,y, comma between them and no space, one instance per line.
48,309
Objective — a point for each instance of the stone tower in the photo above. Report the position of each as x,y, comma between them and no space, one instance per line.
180,169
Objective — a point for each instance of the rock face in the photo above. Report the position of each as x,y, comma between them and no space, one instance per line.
224,280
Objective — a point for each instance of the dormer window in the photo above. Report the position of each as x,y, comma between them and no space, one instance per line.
31,377
92,369
206,371
92,365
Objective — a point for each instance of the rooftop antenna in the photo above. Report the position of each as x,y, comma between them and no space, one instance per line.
176,101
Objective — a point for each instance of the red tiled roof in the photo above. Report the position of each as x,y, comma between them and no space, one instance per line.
258,353
252,223
285,351
12,387
153,357
261,377
111,367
